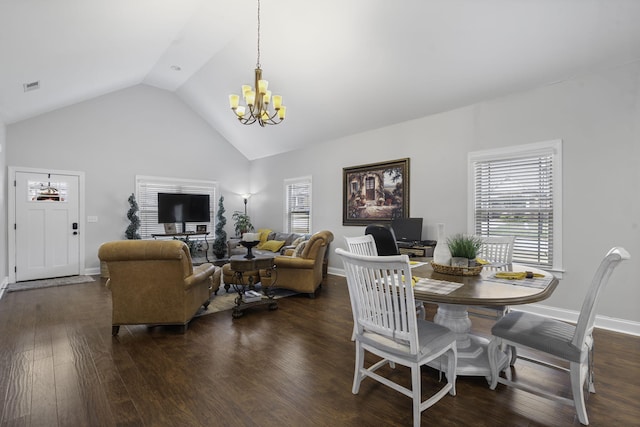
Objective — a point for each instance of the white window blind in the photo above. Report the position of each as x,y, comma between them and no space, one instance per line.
147,189
515,192
298,205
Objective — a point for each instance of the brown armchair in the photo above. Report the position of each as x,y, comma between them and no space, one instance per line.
302,273
153,282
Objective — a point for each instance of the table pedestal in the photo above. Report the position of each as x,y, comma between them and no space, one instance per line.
472,349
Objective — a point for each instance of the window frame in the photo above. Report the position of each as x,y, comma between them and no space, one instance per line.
287,184
193,186
545,148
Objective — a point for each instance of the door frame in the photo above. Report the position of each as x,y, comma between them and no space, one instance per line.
11,215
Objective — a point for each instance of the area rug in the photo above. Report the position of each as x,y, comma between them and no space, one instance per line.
226,300
48,283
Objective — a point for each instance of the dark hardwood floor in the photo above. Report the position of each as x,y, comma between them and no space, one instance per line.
59,365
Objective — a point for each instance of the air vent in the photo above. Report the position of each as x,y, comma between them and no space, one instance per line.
31,86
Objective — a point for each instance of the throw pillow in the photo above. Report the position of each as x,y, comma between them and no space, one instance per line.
297,252
272,245
297,241
264,234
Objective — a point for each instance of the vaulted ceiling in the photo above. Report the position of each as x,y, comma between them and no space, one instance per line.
342,66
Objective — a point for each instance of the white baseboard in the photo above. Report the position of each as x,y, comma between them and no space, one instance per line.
605,322
3,286
92,271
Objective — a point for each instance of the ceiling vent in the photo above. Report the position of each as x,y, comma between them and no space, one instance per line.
31,86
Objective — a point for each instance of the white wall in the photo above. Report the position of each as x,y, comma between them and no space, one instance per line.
597,117
147,131
137,131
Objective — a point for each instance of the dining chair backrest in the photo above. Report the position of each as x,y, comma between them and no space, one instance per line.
362,245
385,239
366,245
586,320
382,297
497,249
569,343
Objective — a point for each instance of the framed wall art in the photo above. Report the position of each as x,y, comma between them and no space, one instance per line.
375,193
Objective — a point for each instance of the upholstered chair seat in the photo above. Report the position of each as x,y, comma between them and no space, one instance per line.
153,282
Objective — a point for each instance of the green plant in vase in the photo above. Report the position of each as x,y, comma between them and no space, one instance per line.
220,243
464,247
242,223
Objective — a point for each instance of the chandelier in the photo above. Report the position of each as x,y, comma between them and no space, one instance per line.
258,98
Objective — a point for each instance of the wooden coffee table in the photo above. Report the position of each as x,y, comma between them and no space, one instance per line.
241,265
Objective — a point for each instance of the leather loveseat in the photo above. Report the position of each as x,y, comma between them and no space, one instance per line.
153,282
302,273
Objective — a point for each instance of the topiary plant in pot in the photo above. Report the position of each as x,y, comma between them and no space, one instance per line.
220,243
134,222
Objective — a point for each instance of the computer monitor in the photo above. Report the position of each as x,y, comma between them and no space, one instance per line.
407,230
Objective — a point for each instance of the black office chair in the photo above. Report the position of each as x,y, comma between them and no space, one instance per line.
385,239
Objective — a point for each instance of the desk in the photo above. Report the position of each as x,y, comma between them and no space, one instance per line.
186,238
480,290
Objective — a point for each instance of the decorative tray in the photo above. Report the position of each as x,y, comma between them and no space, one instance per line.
456,271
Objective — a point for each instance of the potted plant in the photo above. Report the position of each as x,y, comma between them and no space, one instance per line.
134,221
464,249
220,242
242,223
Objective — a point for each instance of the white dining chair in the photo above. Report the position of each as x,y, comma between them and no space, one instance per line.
498,251
382,301
366,245
362,245
563,341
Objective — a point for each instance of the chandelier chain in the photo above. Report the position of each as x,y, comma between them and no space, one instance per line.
258,58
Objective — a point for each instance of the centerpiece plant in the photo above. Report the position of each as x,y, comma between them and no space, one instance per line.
464,246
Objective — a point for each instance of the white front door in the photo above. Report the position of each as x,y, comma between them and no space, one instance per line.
46,225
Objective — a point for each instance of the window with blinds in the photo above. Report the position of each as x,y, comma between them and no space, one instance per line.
516,192
147,189
298,205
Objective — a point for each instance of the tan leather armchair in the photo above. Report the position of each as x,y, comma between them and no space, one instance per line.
153,282
303,273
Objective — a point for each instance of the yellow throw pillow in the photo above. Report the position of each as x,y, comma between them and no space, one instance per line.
272,245
264,233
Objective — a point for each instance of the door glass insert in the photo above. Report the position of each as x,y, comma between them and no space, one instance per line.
49,191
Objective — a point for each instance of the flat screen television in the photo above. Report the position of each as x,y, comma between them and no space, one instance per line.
407,230
183,208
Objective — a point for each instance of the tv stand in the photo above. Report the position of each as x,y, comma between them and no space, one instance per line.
415,249
186,238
